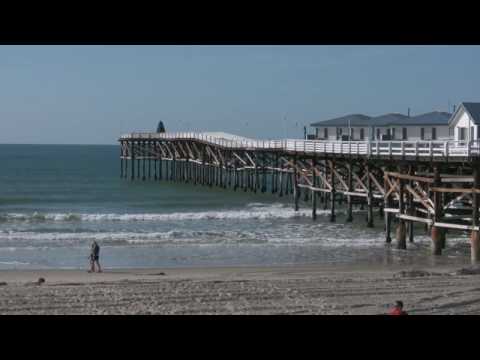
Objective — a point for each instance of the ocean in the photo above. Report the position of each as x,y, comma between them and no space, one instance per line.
56,199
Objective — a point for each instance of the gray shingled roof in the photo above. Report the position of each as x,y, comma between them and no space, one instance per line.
355,120
387,119
392,119
430,118
473,110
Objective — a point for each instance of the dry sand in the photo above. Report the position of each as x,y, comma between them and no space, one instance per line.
240,290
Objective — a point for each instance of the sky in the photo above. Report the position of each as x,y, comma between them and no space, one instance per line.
93,94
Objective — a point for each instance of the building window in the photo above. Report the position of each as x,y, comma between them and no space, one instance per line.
393,134
422,133
352,133
404,133
378,134
325,133
339,133
471,134
434,134
461,134
389,134
362,134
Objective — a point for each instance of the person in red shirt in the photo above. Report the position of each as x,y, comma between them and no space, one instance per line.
398,309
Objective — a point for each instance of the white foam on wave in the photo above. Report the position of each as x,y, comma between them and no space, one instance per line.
253,211
32,240
172,236
13,263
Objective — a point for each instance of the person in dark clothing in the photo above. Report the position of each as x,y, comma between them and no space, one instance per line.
398,309
95,257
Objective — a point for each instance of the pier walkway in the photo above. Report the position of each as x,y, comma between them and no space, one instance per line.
450,149
436,183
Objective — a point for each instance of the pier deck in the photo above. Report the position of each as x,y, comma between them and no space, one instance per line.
435,183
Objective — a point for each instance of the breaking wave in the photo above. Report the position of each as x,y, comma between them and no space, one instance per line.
34,240
126,238
253,211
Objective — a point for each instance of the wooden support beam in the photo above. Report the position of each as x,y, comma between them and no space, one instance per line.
295,185
394,186
401,229
411,208
377,184
132,156
417,197
138,160
475,236
314,194
315,189
353,193
409,177
456,190
126,162
386,210
360,182
212,154
437,240
437,233
349,195
455,226
340,180
250,159
333,192
369,198
415,218
449,180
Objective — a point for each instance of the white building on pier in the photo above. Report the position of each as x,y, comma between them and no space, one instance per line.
358,127
465,122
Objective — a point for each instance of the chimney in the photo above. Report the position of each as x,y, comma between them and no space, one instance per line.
454,108
408,112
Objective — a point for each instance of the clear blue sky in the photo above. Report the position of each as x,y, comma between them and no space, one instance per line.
92,94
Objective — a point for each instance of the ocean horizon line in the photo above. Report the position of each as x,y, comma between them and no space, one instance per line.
56,144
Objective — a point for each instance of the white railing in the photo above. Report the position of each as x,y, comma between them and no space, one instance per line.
446,148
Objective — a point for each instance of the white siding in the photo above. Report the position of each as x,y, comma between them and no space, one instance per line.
464,121
413,132
332,132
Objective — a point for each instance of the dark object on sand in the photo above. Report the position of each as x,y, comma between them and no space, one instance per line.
40,281
160,127
3,283
398,309
415,273
469,271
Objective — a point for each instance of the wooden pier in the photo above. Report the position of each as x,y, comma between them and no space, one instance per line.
435,183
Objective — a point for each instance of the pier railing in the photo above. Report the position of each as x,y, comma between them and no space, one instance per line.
437,148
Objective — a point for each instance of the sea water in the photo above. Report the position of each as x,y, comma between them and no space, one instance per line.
56,199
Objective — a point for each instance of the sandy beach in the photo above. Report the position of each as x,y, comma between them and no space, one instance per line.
240,290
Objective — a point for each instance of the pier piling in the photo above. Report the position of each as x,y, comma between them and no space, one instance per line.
431,177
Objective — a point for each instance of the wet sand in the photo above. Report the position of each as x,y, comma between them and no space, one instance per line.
241,290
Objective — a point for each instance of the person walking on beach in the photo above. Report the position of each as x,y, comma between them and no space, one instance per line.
94,257
398,309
